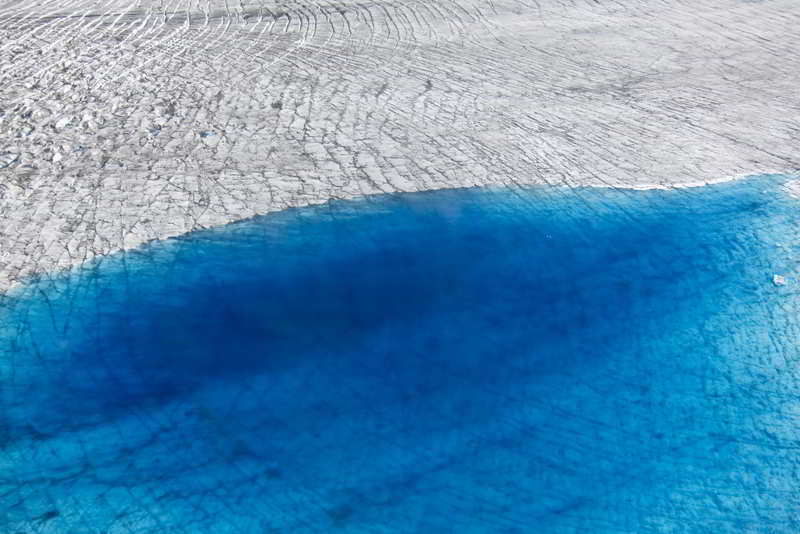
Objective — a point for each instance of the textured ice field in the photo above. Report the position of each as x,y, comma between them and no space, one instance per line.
555,359
126,121
529,360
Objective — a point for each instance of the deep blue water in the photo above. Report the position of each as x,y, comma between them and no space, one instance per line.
543,360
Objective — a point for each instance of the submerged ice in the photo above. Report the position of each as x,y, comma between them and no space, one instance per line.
535,360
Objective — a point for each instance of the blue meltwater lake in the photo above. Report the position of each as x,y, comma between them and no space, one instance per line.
543,360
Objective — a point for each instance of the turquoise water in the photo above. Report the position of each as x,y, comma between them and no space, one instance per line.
544,360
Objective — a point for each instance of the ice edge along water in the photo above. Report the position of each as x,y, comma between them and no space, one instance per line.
10,288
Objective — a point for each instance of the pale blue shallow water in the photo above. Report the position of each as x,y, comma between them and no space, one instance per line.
542,360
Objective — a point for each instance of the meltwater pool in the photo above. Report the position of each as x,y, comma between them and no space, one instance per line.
545,360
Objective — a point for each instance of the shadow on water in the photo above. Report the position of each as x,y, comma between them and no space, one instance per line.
505,274
456,306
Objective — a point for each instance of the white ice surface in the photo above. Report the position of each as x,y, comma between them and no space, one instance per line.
122,122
